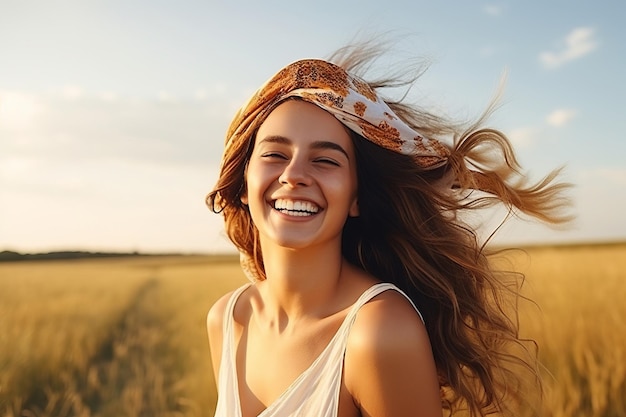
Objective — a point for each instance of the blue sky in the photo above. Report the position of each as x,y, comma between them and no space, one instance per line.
113,113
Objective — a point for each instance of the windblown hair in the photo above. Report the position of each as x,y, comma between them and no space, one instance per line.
410,232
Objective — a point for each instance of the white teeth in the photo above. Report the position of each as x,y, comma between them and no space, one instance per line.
296,208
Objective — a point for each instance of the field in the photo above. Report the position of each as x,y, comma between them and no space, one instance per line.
126,336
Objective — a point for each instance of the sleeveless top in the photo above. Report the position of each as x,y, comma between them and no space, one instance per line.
315,393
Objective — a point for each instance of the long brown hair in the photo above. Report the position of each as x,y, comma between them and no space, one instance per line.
410,232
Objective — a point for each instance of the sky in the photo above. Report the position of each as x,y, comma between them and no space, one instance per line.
113,113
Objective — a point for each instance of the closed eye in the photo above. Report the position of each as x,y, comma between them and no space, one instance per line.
327,161
273,155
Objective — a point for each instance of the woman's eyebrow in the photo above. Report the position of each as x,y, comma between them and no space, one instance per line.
275,139
319,144
322,144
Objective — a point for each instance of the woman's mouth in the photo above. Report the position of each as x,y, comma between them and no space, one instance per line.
296,207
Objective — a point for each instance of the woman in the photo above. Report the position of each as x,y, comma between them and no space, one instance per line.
346,210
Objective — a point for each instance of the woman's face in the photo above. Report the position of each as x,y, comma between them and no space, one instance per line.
301,178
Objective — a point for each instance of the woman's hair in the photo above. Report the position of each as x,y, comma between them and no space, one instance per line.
410,232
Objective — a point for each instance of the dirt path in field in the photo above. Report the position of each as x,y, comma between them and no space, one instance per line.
133,374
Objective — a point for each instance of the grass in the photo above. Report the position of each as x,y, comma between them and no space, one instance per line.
114,337
579,325
126,336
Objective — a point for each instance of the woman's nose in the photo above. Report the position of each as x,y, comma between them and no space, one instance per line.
295,174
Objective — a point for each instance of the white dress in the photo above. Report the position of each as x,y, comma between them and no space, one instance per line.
315,393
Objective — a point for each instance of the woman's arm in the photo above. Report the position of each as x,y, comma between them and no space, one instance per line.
389,365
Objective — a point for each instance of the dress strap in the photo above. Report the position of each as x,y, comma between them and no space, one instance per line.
227,385
375,290
230,308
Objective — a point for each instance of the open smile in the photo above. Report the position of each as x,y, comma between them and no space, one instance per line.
296,208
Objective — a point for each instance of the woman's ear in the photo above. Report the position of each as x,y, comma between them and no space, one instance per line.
354,208
243,190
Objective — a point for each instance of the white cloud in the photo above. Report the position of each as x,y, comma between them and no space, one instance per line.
608,175
111,170
493,10
487,51
18,110
578,43
201,94
220,88
215,90
97,126
108,96
522,137
72,92
101,205
164,96
560,117
15,167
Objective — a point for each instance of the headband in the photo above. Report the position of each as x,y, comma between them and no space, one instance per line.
351,100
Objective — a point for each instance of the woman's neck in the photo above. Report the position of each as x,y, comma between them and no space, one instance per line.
301,282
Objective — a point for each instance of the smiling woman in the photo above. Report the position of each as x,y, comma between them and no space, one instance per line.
344,208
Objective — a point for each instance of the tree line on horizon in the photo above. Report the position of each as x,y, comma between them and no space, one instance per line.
8,255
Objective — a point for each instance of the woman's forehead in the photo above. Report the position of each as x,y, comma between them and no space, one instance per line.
299,120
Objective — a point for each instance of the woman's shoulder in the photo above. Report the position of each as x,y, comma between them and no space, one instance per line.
388,321
219,309
401,378
217,312
215,326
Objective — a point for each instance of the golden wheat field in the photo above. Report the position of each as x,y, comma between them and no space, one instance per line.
126,336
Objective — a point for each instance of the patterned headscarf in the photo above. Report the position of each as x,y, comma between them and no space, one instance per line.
350,99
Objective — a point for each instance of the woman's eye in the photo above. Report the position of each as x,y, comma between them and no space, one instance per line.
327,161
273,155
